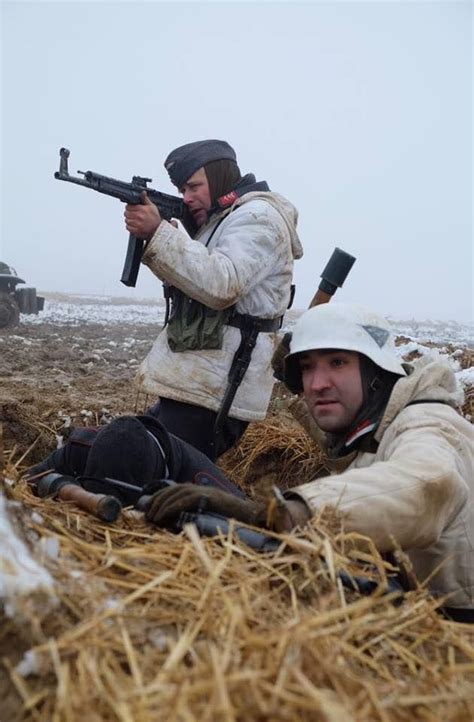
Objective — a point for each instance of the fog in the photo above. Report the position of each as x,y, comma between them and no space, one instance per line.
359,112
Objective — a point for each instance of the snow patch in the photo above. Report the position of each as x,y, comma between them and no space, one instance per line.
20,574
465,377
29,664
72,314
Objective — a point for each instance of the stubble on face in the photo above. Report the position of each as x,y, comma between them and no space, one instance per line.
332,387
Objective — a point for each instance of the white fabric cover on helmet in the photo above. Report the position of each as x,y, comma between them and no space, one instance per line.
346,327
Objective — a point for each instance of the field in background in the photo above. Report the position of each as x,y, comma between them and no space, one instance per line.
75,362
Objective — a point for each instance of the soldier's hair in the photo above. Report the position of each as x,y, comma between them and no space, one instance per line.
222,176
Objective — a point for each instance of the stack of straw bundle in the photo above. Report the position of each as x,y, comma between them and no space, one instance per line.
153,626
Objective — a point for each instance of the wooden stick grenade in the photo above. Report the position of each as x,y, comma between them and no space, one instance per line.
335,273
104,507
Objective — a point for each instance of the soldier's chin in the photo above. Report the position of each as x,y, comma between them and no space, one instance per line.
328,422
200,217
326,425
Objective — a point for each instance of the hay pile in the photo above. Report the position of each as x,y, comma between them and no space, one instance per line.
275,451
153,626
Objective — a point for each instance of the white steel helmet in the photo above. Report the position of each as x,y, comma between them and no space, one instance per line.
346,327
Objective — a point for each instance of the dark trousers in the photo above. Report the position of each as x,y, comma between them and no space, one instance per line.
195,424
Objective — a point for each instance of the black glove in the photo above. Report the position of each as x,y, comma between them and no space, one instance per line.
166,506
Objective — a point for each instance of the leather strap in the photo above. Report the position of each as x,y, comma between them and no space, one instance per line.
264,325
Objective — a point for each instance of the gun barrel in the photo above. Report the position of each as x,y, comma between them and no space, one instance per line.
127,493
214,524
123,191
168,205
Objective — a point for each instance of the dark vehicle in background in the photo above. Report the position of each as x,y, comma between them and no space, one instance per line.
13,300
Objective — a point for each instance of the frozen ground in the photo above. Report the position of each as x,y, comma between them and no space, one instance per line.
447,338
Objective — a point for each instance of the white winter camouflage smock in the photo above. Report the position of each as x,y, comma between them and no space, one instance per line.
417,490
248,262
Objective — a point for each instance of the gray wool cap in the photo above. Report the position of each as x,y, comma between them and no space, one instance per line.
182,162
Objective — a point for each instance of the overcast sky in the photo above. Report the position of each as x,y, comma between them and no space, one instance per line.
359,112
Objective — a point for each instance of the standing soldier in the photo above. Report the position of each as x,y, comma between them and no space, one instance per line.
229,286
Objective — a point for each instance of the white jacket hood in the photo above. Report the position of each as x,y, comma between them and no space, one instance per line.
428,379
287,211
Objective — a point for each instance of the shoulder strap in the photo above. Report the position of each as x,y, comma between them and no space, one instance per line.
215,229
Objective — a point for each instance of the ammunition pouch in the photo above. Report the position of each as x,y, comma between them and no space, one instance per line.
192,326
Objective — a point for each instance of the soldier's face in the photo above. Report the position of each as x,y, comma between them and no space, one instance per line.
197,197
332,387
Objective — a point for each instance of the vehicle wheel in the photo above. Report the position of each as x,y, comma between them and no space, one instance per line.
9,311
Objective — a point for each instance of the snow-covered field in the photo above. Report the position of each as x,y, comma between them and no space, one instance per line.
106,310
101,309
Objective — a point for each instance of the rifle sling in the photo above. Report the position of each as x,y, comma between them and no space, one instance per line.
250,327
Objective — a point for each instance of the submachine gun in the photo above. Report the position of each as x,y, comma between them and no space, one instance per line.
168,206
104,498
